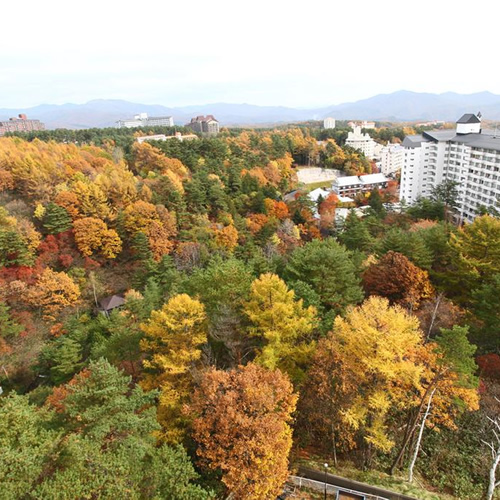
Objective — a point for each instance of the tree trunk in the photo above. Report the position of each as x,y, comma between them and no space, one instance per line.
434,314
334,443
419,439
411,429
493,482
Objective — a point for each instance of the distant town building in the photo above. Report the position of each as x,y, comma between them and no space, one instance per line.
352,185
20,124
329,122
143,120
363,124
361,142
391,159
163,137
467,155
204,125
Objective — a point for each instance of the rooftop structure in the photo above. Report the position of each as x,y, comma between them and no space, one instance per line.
467,155
20,124
143,120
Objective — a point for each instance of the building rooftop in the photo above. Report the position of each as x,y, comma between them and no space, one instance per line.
469,118
348,180
202,118
476,140
440,135
316,193
345,199
373,178
112,302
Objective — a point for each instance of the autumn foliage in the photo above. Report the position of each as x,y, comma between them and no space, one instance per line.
396,278
241,423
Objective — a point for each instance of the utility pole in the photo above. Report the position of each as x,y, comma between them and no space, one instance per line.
326,471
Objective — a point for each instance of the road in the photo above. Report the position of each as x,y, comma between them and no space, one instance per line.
350,484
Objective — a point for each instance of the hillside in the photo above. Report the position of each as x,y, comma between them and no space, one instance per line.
397,106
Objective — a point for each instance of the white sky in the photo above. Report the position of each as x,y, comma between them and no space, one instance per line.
272,52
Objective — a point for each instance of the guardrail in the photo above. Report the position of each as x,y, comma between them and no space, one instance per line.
331,489
350,484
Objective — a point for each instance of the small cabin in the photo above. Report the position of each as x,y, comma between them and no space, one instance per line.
109,304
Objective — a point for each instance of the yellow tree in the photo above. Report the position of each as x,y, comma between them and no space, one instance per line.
156,222
282,324
226,237
92,235
365,369
52,292
173,339
242,427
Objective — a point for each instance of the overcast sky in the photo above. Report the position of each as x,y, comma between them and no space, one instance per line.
272,52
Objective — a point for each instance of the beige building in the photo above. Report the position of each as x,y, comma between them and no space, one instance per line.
20,124
204,125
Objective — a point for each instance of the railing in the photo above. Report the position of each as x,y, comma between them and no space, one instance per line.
331,490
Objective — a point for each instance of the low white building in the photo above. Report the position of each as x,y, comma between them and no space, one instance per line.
391,159
143,120
352,185
163,137
316,193
329,122
467,155
361,142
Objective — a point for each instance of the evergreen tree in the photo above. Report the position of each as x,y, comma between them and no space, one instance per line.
327,267
355,234
14,250
56,219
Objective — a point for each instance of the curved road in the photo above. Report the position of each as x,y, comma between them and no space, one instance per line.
350,484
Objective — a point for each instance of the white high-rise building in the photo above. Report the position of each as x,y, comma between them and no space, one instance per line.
467,155
329,122
391,158
361,142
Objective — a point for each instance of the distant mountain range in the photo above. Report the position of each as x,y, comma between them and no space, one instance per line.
398,106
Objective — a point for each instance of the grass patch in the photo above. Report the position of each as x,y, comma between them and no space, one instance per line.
315,185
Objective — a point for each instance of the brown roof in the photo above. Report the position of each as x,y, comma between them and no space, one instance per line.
112,302
202,118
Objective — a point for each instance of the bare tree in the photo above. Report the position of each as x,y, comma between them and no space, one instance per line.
419,439
494,446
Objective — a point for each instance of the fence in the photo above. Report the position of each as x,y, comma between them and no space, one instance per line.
332,490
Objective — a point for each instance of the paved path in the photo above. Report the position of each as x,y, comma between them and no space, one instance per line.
350,484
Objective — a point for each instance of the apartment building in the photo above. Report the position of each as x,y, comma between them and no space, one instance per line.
361,142
143,120
329,122
20,124
391,159
204,125
467,155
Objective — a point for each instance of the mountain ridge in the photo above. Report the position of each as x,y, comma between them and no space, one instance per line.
402,105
